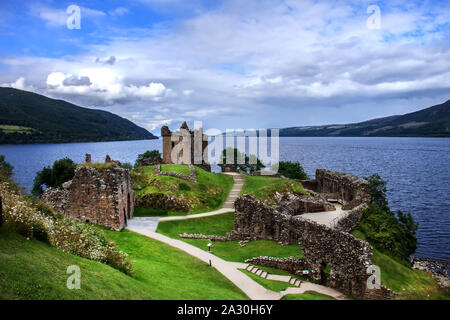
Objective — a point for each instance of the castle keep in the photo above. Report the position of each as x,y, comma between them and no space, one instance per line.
179,147
100,196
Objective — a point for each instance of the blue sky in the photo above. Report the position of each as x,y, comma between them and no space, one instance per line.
232,64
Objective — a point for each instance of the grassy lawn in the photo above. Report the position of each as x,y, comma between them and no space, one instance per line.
30,269
177,168
278,286
264,187
273,285
308,295
207,194
409,283
229,250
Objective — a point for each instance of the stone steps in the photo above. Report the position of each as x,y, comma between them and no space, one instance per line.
257,271
264,274
235,191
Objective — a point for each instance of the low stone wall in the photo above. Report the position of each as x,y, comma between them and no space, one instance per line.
348,188
348,257
299,204
350,220
150,161
290,264
103,197
192,173
202,236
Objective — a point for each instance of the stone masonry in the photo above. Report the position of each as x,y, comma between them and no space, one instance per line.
172,140
347,256
344,187
99,196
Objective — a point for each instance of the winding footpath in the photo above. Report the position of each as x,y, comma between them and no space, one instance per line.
255,291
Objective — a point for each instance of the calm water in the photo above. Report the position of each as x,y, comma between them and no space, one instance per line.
417,171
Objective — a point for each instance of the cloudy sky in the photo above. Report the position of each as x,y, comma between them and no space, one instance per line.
231,63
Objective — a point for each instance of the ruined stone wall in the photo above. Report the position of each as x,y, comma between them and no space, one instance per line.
347,256
103,197
349,189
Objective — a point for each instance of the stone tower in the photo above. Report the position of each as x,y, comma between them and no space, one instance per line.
172,140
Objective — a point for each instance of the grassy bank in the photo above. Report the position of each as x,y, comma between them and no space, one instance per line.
264,187
229,250
308,295
30,269
207,194
409,283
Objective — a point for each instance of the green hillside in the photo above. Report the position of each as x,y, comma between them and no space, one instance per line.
27,117
430,122
30,269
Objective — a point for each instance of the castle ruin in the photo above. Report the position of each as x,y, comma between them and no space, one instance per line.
185,146
100,196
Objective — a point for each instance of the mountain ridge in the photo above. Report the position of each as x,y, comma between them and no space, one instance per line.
433,121
28,117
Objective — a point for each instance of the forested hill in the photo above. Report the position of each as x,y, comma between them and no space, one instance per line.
27,117
430,122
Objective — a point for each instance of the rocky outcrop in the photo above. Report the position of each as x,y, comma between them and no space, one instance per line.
347,188
100,196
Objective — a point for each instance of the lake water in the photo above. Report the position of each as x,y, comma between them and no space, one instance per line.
417,171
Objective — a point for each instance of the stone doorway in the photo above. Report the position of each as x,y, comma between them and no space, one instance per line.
125,218
325,271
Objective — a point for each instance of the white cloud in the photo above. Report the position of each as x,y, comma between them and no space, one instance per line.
120,11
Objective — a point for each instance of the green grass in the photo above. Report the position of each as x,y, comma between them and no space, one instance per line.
278,286
308,295
16,129
177,168
264,187
273,285
150,212
30,269
409,283
282,273
207,194
229,250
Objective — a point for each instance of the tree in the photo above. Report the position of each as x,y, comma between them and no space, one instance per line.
62,170
6,169
378,191
393,234
241,161
292,170
147,154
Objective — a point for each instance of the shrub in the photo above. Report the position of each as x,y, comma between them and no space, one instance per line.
127,166
6,169
31,218
184,187
292,170
147,154
391,234
62,170
241,161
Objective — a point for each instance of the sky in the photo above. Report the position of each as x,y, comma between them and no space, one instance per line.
231,64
